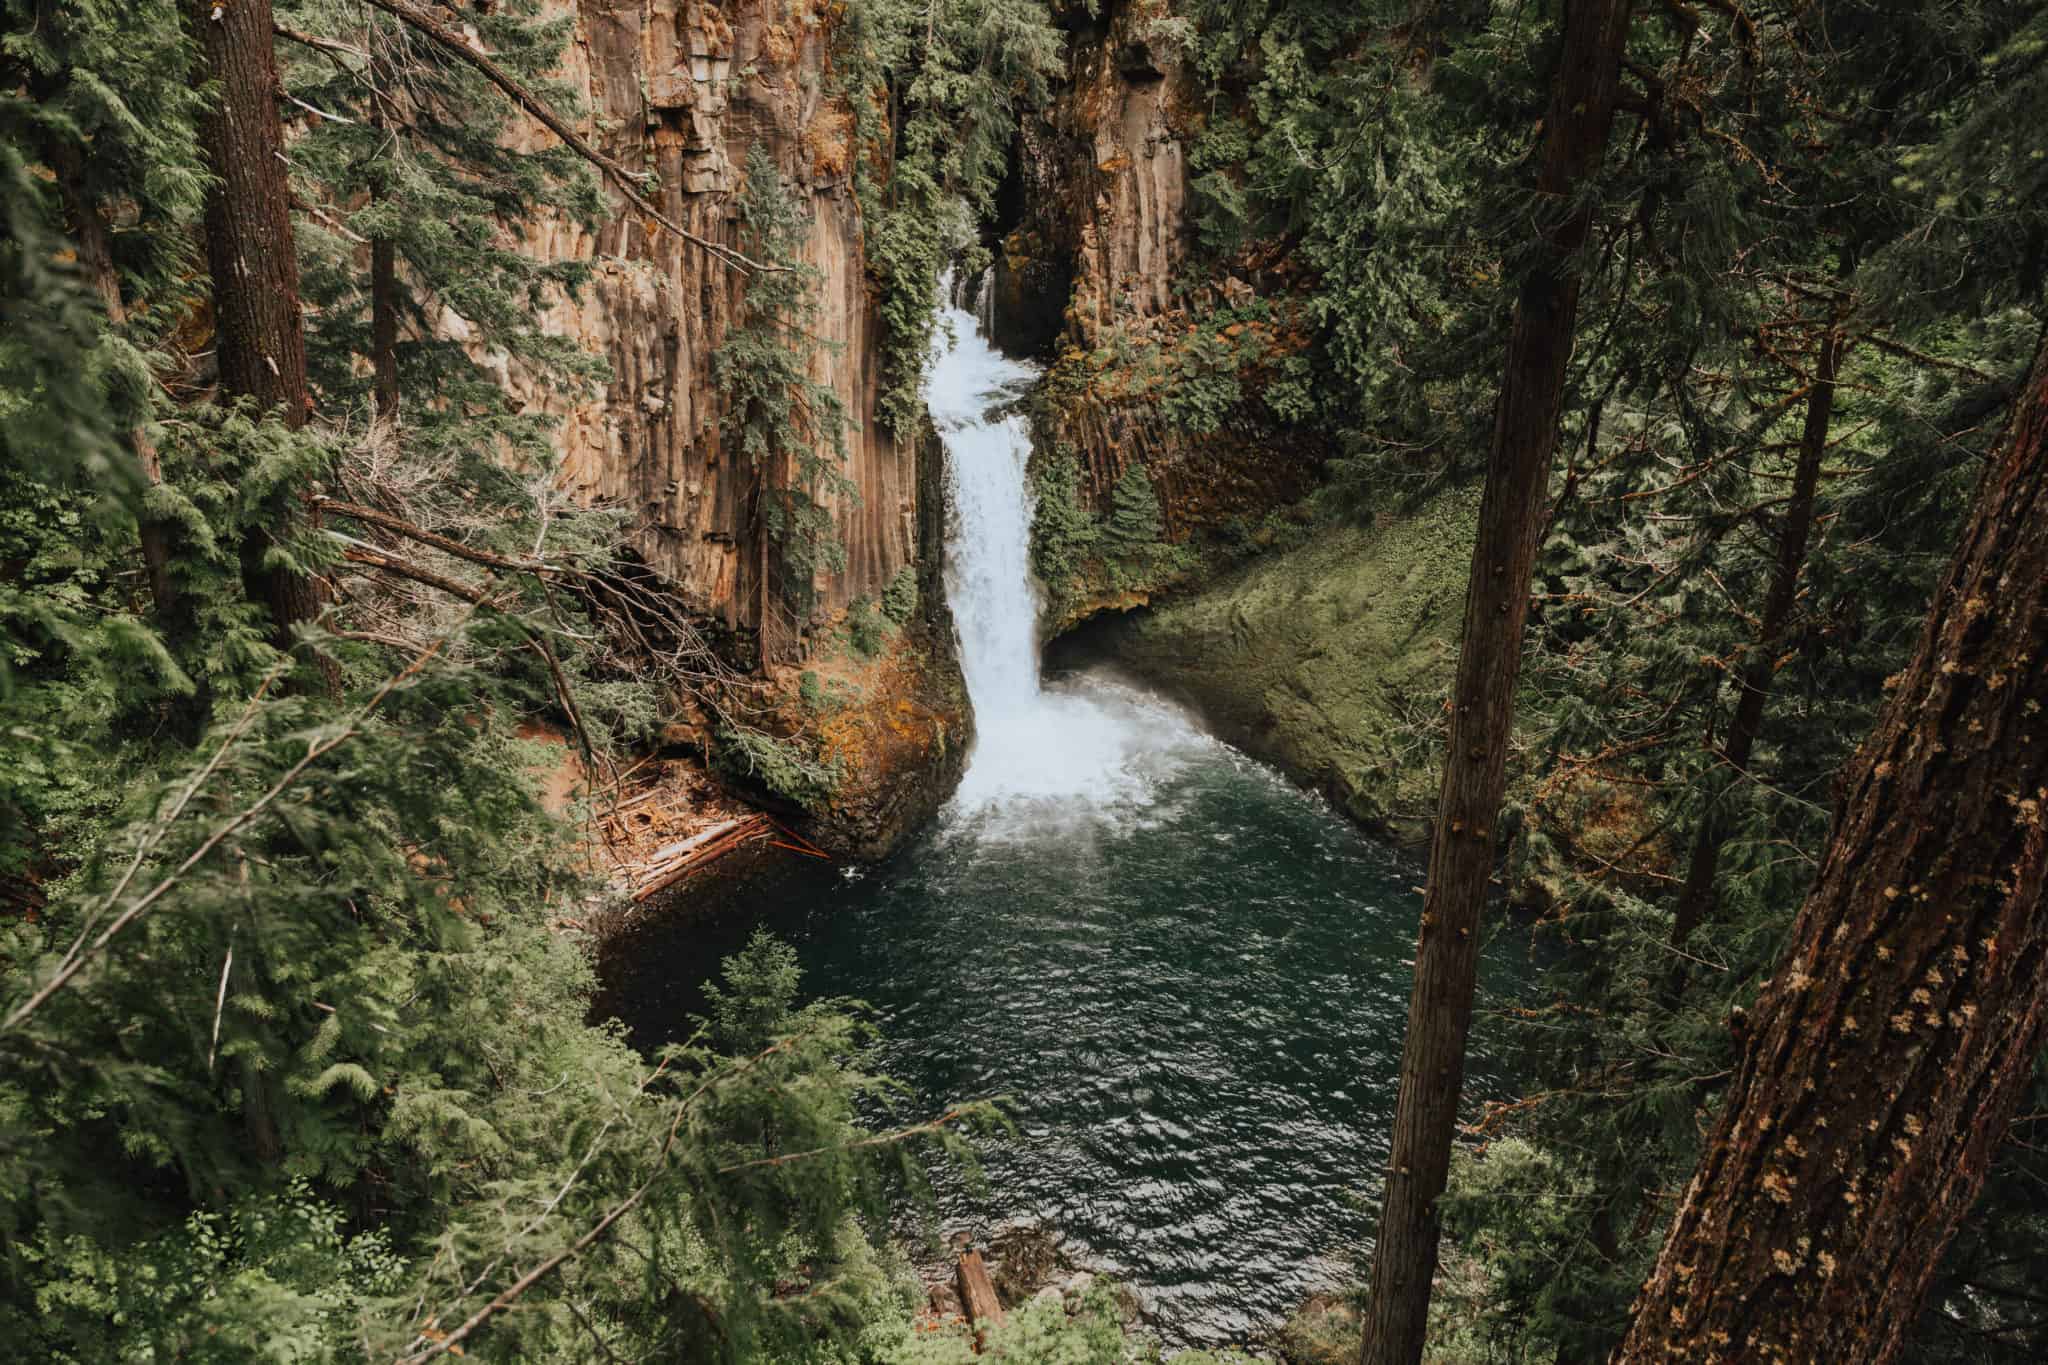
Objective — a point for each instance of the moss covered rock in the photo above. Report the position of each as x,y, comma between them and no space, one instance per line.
1329,660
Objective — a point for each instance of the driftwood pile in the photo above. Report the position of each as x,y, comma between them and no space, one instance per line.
672,862
675,826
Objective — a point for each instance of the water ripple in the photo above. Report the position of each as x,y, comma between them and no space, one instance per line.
1198,1036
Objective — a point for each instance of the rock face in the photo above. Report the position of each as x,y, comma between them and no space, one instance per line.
683,89
1100,189
1095,241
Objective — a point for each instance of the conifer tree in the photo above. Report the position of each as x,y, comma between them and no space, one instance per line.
252,257
1669,544
415,263
789,424
1511,521
103,103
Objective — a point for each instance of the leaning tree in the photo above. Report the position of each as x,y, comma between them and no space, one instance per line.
1891,1047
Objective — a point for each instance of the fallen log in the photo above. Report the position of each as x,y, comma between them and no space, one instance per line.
978,1294
702,849
807,845
670,852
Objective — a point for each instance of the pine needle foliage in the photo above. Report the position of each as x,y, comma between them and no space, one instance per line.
410,149
294,1059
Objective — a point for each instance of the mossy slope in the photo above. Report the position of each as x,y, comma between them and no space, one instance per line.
1324,658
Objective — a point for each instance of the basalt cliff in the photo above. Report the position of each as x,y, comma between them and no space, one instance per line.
1156,475
683,90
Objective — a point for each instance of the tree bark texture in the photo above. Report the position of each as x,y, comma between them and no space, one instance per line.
1697,895
384,326
1893,1044
1511,519
259,325
383,263
258,318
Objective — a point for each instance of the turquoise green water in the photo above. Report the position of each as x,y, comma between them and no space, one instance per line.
1191,988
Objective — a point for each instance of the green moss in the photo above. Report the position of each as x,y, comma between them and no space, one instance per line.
868,631
1329,658
899,599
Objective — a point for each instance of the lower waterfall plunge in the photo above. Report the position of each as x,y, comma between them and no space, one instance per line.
1184,979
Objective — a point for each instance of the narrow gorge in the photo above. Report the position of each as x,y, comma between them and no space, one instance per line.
1079,682
1178,973
1089,237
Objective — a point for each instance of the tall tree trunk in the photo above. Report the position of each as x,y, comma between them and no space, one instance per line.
96,257
258,317
384,326
1697,896
1900,1031
1461,864
383,259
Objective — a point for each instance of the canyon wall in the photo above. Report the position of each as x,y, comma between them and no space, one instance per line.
1092,276
683,89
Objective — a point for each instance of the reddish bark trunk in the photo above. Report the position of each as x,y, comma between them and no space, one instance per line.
259,320
1899,1034
1696,899
1511,518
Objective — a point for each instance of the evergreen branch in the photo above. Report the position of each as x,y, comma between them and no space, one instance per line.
539,109
314,752
1905,352
319,44
402,527
613,598
938,1124
162,826
390,564
518,1288
513,1292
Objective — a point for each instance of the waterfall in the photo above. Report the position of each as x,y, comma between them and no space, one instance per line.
988,562
1085,744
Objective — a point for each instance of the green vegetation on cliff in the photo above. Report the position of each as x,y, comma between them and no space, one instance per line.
935,90
787,424
1085,560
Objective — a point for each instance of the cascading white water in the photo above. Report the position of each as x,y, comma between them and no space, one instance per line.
1082,745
